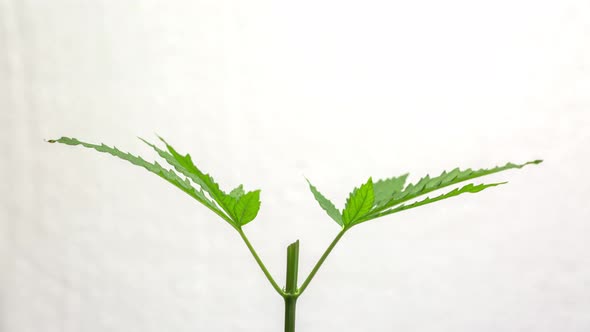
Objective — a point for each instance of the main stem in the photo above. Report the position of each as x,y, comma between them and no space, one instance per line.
291,293
290,303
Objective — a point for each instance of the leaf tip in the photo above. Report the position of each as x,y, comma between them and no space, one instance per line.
144,140
161,138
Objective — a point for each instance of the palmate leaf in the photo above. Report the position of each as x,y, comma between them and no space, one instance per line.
359,203
241,207
470,188
168,175
426,185
326,204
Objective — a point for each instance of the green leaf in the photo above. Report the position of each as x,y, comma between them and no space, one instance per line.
326,204
174,163
426,185
204,180
384,189
228,202
470,188
237,192
247,207
168,175
359,203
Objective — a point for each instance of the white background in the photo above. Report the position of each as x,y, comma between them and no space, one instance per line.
263,93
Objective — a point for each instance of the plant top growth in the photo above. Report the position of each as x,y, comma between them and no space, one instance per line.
238,207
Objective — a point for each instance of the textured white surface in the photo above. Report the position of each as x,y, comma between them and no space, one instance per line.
263,92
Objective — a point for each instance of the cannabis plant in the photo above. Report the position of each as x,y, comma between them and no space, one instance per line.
371,200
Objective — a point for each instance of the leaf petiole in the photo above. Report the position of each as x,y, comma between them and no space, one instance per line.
321,261
260,263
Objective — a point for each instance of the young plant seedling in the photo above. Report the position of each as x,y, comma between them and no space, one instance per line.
369,201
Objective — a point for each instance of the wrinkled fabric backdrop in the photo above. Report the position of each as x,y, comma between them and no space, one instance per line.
264,93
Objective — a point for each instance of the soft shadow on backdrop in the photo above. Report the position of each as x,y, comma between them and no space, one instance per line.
263,93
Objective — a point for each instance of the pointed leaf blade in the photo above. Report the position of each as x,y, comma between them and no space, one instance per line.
384,189
174,163
359,203
207,182
247,207
326,204
168,175
228,202
426,184
470,188
237,192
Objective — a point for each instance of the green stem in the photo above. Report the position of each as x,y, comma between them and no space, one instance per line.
292,267
291,286
259,261
322,259
290,303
